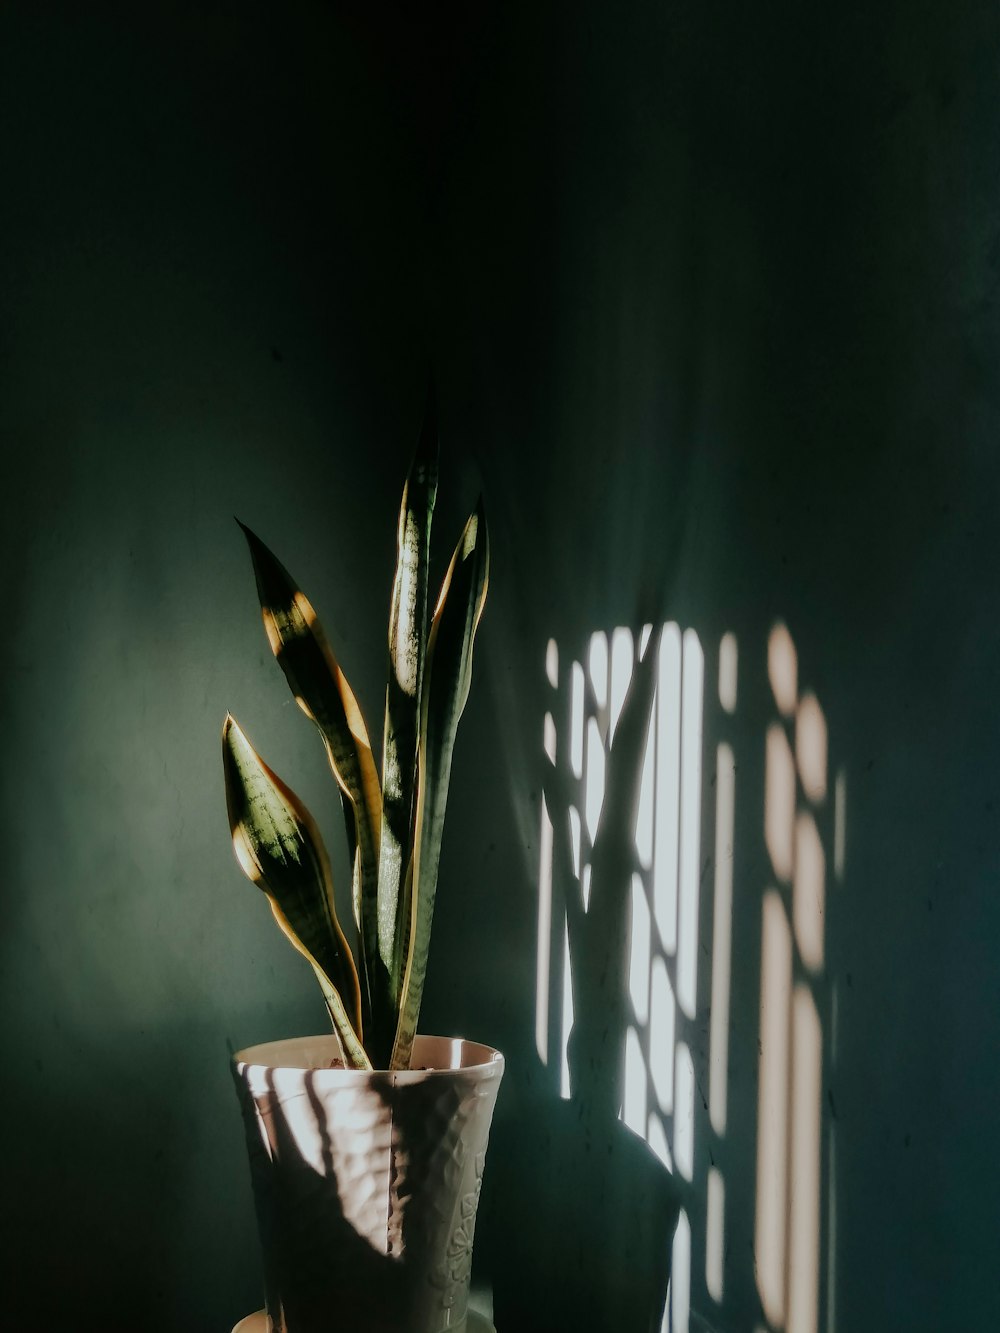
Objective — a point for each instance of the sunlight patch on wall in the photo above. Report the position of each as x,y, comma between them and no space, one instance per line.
598,664
684,1112
621,674
810,748
552,663
783,669
728,661
715,1235
776,986
779,802
666,833
576,719
804,1165
574,838
678,1029
808,893
593,784
722,932
788,1238
567,1014
660,1093
680,1277
549,738
692,679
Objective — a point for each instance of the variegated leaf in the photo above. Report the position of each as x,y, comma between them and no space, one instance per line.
322,692
407,647
447,677
280,850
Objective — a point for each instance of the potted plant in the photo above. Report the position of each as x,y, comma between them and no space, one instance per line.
366,1145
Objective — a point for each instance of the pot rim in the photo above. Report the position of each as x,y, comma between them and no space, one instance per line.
463,1056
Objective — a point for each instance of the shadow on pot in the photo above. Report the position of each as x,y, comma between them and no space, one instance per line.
366,1184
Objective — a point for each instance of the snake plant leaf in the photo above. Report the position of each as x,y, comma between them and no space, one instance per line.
407,648
350,1044
280,849
447,677
322,692
598,938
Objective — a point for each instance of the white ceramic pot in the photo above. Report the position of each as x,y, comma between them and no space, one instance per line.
366,1185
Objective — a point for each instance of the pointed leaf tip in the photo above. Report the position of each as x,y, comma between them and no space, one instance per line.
322,692
448,676
249,533
476,531
280,850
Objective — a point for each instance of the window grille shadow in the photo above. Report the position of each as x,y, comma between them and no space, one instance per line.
730,1014
586,1211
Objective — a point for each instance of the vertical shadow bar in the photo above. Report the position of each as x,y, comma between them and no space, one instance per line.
804,1174
722,931
772,1115
692,680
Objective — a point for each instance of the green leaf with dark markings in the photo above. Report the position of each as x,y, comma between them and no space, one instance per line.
407,649
280,850
322,692
447,677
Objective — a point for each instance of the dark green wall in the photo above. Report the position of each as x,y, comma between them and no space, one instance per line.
710,292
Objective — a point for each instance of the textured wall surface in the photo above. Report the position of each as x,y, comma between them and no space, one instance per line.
710,292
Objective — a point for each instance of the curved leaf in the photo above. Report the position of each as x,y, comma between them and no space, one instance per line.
279,849
407,647
448,675
322,692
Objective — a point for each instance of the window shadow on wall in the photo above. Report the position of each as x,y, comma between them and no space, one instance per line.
737,845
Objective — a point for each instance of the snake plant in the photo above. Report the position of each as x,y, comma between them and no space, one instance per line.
394,826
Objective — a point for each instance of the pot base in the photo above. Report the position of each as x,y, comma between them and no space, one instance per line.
257,1323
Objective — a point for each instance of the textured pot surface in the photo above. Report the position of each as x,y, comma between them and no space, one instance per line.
366,1185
